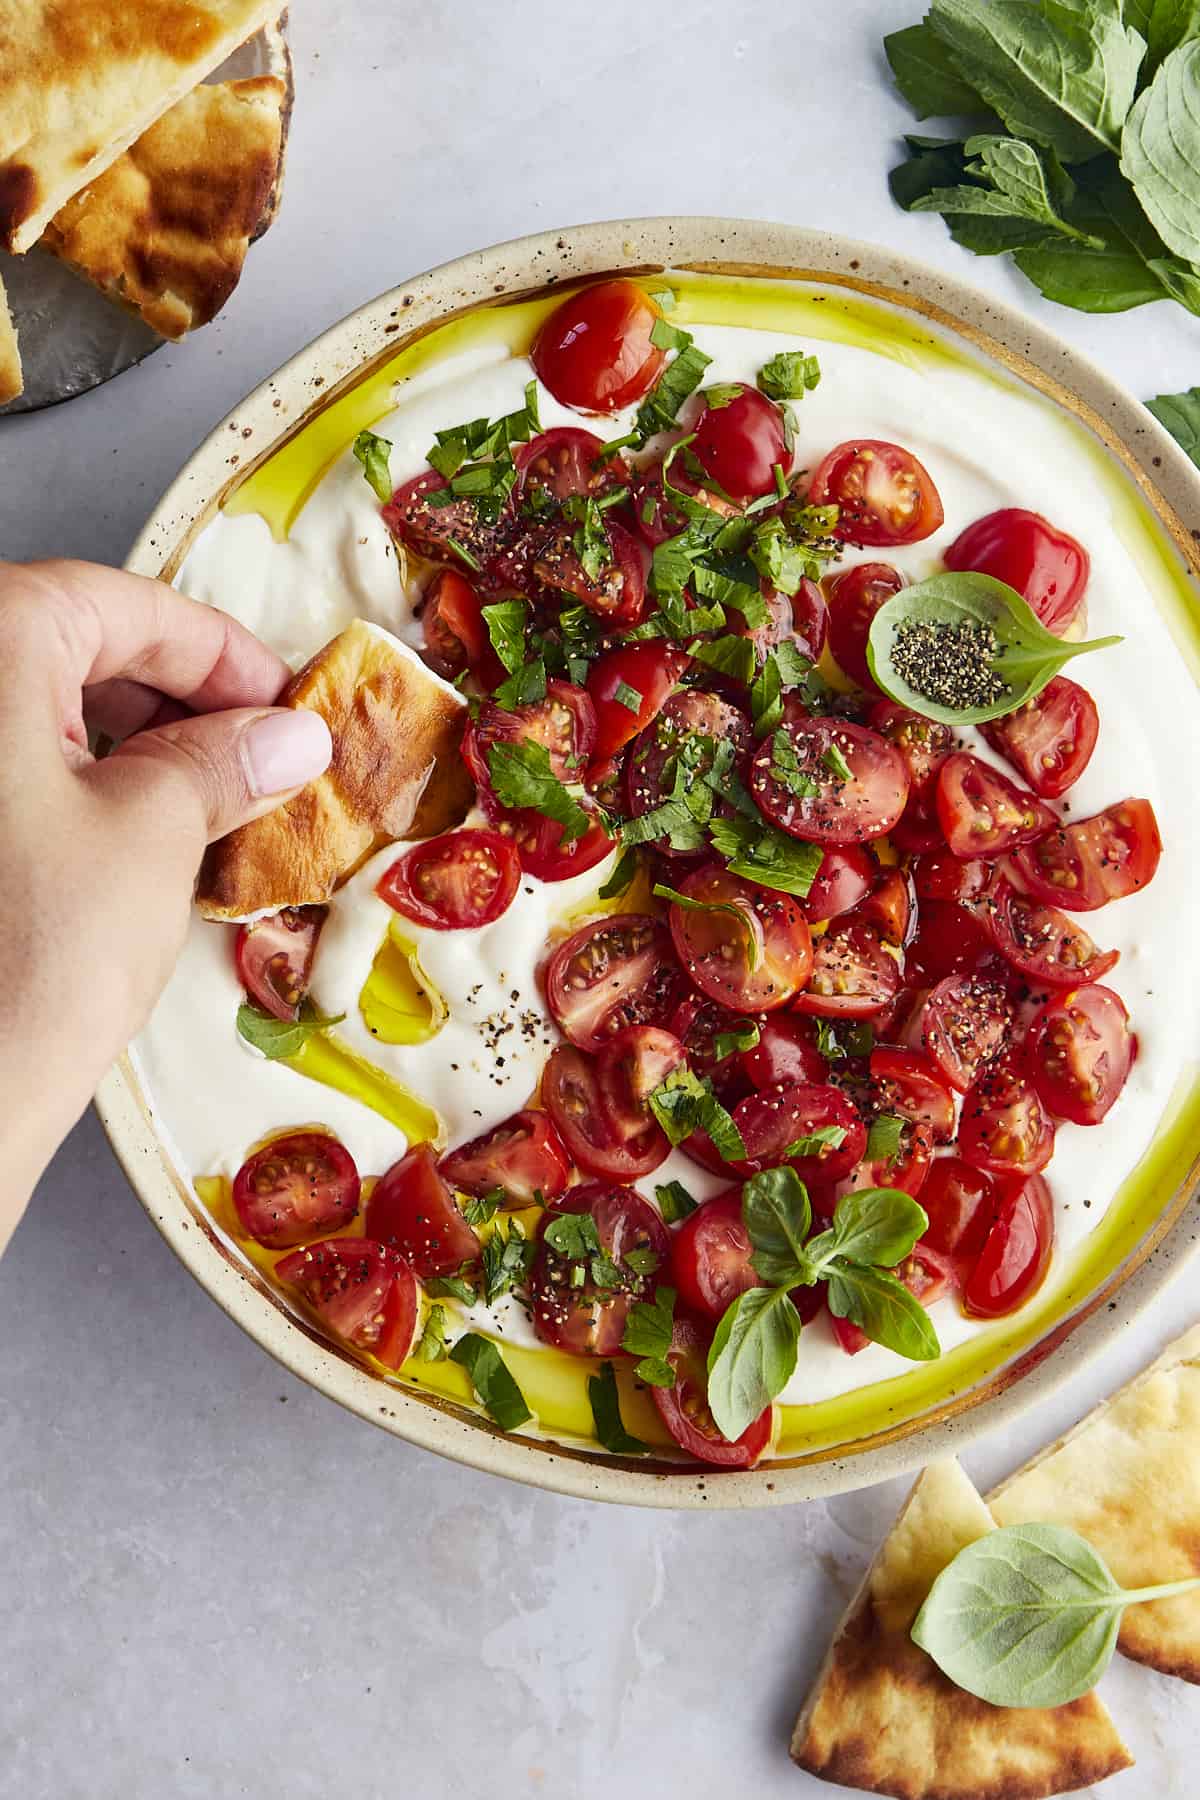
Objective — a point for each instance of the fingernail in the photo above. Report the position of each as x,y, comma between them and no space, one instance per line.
284,750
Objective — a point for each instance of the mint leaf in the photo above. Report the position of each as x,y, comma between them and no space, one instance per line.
605,1402
882,1308
648,1332
506,621
374,453
277,1039
684,1104
927,75
760,853
1180,415
522,776
674,1202
1160,151
492,1380
752,1357
432,1347
778,1217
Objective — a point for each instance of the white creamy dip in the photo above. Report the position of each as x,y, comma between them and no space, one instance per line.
986,445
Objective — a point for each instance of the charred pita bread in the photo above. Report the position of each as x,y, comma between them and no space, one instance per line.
1127,1478
165,230
396,772
10,357
80,82
883,1717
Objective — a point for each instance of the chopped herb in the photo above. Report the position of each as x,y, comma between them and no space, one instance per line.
660,409
836,763
789,375
884,1138
648,1332
481,1209
432,1347
822,1137
524,688
726,590
852,1040
522,776
492,1380
628,697
506,621
738,914
684,1104
456,1286
573,1236
761,853
605,1402
277,1039
506,1261
787,769
590,542
643,1262
733,656
674,1202
374,454
742,1037
623,876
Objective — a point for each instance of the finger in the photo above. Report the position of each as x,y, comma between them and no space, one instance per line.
105,624
118,708
206,775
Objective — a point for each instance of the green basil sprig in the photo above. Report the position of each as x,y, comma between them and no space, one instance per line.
277,1039
1026,656
1180,415
754,1352
1028,1616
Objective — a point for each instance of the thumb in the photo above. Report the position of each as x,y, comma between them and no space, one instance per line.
214,772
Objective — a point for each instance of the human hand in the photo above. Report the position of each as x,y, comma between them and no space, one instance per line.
98,858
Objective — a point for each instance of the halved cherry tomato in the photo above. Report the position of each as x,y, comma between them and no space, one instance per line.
571,1095
855,596
683,1408
686,733
540,844
883,494
710,1256
564,723
413,1209
1085,865
440,532
1013,1262
777,1118
644,675
1081,1051
982,812
1050,739
457,882
750,949
786,1051
923,743
940,875
274,957
455,634
1004,1127
911,1084
362,1292
960,1203
698,1022
739,440
951,940
617,971
582,1316
1045,565
632,1066
656,512
846,875
594,351
1040,941
853,976
965,1023
890,908
295,1188
525,1156
860,781
925,1274
905,1169
617,592
564,463
917,829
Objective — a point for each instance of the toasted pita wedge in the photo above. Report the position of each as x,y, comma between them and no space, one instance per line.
81,81
1127,1478
11,382
883,1717
165,230
396,772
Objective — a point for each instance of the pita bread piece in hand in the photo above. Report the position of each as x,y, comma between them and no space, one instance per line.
396,772
165,230
883,1717
1127,1478
81,80
11,382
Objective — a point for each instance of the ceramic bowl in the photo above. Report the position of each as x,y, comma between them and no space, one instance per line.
1026,352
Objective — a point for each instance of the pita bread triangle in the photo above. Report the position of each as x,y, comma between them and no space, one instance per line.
11,382
1127,1478
883,1717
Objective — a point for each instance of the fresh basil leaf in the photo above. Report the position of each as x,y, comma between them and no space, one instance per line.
277,1039
726,590
457,1287
752,1357
855,1038
884,1138
623,875
605,1402
572,1235
1018,190
684,1104
681,377
674,1202
374,454
673,820
877,1225
931,163
524,688
1028,1615
1160,151
1180,415
1014,646
1165,24
760,853
506,1261
506,621
744,921
778,1218
882,1308
648,1332
766,698
481,1209
732,656
927,75
741,1038
432,1347
522,776
492,1380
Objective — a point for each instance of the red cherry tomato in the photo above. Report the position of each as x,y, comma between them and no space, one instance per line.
855,596
1016,1255
295,1188
911,1084
566,462
1045,565
683,1408
617,971
1004,1128
564,723
632,1066
906,1168
965,1024
687,731
1041,942
982,812
951,940
777,1118
594,351
752,958
656,512
543,854
457,882
455,634
1085,865
890,908
853,976
940,875
923,743
274,957
583,1317
571,1095
739,441
846,876
860,779
616,592
1081,1051
644,675
1050,739
710,1256
960,1204
441,533
364,1293
786,1051
883,494
917,829
525,1156
698,1022
413,1209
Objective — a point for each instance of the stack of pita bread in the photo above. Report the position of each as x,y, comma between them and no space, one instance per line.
113,158
882,1716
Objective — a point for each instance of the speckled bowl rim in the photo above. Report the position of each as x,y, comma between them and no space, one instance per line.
306,383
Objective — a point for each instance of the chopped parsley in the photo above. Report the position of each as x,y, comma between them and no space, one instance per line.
684,1104
374,454
522,776
648,1332
525,687
789,375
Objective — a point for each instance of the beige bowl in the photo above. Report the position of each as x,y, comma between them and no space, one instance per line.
306,385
